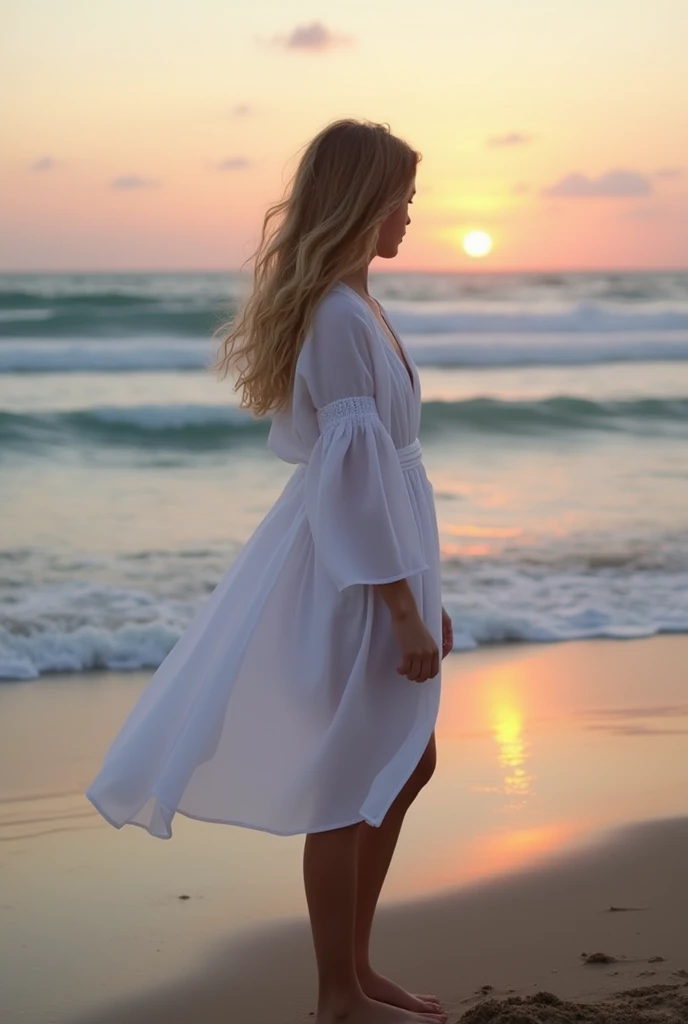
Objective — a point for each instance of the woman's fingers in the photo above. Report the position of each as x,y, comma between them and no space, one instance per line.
421,666
408,666
428,666
416,668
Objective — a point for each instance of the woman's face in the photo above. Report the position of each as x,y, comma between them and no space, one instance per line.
394,227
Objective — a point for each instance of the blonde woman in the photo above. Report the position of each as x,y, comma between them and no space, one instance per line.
302,698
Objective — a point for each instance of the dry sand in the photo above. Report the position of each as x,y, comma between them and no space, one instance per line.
656,1003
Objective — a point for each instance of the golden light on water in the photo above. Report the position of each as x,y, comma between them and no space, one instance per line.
477,244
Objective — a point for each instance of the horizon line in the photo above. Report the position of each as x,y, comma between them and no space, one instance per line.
406,270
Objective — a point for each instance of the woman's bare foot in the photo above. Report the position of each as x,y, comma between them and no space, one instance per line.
386,991
363,1010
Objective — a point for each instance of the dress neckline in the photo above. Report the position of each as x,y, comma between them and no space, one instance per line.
402,360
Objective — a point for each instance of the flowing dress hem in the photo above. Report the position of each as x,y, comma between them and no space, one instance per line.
225,821
167,816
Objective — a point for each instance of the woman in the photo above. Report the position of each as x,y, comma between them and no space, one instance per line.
303,696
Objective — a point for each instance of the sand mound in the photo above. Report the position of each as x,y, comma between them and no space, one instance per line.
656,1004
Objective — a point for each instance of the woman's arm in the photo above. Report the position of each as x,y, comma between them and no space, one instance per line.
420,657
398,598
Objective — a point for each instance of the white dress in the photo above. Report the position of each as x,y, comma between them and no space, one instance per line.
280,707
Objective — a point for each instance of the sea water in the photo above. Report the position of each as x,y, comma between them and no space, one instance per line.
554,430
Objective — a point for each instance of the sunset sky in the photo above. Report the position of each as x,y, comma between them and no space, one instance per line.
152,134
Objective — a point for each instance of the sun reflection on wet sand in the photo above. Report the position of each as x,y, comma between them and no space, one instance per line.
513,748
500,710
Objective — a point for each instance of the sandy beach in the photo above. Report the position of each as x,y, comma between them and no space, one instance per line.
515,937
559,795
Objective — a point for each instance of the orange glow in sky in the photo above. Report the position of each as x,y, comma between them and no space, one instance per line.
153,136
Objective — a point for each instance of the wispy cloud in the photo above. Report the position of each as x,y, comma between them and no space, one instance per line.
669,172
612,185
241,110
312,38
234,163
129,182
46,163
509,139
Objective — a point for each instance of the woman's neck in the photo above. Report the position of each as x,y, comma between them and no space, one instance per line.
358,281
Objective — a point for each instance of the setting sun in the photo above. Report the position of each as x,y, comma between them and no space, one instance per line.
477,243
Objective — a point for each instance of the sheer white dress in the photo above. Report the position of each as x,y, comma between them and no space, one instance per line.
280,707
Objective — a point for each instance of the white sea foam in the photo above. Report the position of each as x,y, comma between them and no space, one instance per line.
68,356
433,318
437,348
78,626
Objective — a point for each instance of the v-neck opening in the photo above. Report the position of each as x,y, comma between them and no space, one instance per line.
402,359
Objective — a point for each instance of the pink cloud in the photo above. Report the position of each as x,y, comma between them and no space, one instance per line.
612,185
669,172
509,139
45,164
314,38
234,163
130,182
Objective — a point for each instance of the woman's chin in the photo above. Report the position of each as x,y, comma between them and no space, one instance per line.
387,253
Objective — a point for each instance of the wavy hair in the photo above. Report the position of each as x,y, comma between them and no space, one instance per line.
349,179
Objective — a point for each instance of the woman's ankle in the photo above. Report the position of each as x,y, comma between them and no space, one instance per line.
362,961
340,999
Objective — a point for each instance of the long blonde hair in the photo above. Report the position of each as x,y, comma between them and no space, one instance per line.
350,178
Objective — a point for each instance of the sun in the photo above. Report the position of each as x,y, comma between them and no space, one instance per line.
477,243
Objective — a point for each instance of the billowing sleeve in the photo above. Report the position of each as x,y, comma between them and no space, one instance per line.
358,502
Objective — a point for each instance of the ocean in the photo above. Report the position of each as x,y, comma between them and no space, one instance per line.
554,430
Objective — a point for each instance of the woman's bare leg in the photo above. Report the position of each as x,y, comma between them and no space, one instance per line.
375,850
329,871
330,867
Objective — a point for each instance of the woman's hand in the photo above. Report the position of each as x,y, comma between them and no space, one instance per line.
420,657
447,634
